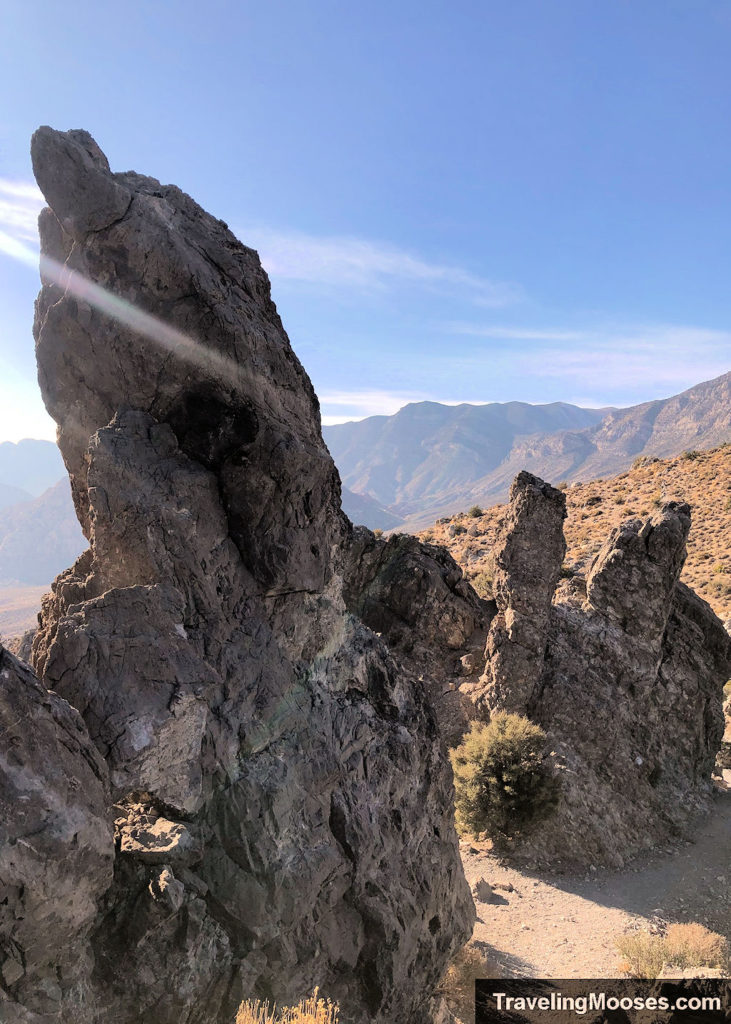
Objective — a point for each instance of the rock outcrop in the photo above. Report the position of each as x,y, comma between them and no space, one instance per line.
528,561
415,596
624,671
281,802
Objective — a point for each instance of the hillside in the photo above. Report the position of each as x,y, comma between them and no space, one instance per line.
703,479
31,466
426,452
429,460
39,538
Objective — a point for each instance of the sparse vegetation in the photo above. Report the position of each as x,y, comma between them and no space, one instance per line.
483,584
503,785
691,454
563,485
312,1010
683,946
458,984
378,532
693,945
475,512
702,482
643,955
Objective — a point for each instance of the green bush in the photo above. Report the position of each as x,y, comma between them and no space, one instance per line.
475,512
502,783
692,454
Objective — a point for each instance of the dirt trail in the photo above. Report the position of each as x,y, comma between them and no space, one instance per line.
563,926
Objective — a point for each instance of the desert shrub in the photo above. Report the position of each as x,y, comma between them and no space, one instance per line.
457,529
657,499
693,945
378,532
458,984
563,485
475,512
619,500
503,785
643,954
482,584
312,1010
692,454
683,946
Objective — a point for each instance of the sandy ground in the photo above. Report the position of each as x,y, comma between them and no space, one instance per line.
19,607
563,926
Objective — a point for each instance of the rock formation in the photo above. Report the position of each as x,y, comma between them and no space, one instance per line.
624,671
414,594
527,566
281,804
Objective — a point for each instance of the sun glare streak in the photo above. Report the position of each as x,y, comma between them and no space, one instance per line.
137,320
121,310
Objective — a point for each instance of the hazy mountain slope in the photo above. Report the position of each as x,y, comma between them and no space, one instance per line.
10,495
362,509
427,450
31,465
39,538
423,464
594,508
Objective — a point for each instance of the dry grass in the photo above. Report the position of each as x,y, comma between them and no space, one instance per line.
312,1010
682,947
458,984
693,945
643,955
704,481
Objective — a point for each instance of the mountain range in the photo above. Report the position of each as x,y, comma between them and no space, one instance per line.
430,460
399,472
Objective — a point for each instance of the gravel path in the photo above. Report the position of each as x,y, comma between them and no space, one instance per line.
563,926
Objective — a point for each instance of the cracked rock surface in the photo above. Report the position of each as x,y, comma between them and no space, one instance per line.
623,669
280,798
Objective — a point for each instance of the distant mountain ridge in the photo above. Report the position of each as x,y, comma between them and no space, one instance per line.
430,460
30,465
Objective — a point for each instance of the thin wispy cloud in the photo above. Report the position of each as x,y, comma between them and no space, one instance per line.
514,333
362,264
20,204
641,356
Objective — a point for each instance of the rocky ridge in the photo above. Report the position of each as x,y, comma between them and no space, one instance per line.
594,508
429,460
252,796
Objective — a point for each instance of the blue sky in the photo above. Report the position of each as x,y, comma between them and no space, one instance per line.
477,201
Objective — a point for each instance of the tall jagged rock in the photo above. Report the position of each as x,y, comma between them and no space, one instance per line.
528,559
282,804
624,671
